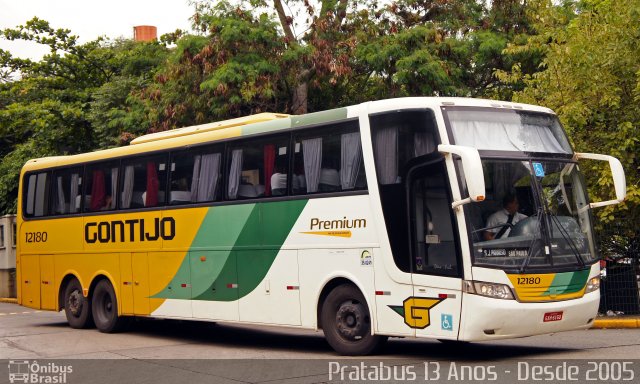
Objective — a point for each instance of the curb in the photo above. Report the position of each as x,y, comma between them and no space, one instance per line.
616,323
9,300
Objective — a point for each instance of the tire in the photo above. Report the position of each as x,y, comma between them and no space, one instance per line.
453,342
105,308
77,308
346,322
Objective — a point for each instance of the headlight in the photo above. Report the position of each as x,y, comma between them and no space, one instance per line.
593,284
497,291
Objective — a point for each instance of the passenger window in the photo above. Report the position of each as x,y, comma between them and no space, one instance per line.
196,175
37,195
101,187
143,182
67,190
399,137
328,159
258,168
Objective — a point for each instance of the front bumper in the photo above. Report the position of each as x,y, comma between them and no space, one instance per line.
485,318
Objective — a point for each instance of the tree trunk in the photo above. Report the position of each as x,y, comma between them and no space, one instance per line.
299,104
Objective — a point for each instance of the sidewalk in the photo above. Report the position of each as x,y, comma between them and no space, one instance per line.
616,322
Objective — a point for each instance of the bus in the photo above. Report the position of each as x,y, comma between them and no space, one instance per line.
370,221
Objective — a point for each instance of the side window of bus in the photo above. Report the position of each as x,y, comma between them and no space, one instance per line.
101,186
37,194
143,182
399,137
258,168
196,175
67,189
328,159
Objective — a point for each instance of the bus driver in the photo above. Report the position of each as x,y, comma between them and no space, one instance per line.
508,216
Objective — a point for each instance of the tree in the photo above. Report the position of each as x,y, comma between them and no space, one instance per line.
46,106
233,70
591,77
116,113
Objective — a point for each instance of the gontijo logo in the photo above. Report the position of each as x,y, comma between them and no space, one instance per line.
415,311
131,230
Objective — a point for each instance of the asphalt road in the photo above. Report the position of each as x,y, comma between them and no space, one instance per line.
159,351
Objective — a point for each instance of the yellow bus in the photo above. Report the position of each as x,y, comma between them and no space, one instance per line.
446,218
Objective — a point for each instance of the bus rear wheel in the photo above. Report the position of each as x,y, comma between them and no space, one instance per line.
105,308
77,308
346,322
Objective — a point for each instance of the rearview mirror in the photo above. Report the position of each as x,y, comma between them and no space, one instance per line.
619,180
473,173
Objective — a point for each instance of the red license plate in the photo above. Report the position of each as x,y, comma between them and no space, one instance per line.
552,316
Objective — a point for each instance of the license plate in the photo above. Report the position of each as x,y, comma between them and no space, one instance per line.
552,316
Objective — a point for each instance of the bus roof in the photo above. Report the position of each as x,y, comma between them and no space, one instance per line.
196,129
261,123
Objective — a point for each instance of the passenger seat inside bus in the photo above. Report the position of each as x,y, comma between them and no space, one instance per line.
279,184
178,197
249,191
329,180
142,198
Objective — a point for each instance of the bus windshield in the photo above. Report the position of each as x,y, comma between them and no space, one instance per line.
496,129
536,215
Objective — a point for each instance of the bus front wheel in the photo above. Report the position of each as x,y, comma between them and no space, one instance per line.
77,308
105,308
346,322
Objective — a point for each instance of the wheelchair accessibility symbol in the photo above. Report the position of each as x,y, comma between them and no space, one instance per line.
538,169
446,322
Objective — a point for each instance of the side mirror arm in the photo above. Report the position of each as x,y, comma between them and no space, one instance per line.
474,175
619,179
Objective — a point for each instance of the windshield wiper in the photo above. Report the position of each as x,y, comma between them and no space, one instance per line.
568,239
539,214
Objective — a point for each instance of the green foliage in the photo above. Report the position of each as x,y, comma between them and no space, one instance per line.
591,77
232,71
76,99
115,113
10,167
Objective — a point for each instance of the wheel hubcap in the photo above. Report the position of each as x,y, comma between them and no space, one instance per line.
74,303
352,320
108,306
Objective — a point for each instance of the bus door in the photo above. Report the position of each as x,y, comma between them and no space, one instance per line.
436,263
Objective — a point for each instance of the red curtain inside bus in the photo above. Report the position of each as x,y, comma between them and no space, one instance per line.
152,185
269,163
98,193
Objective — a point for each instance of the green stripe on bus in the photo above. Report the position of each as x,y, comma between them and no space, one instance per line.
265,127
220,228
253,266
567,282
255,232
319,117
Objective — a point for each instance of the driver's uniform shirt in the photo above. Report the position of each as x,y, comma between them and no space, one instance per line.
501,217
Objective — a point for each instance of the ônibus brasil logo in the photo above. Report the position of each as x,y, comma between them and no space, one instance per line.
24,371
